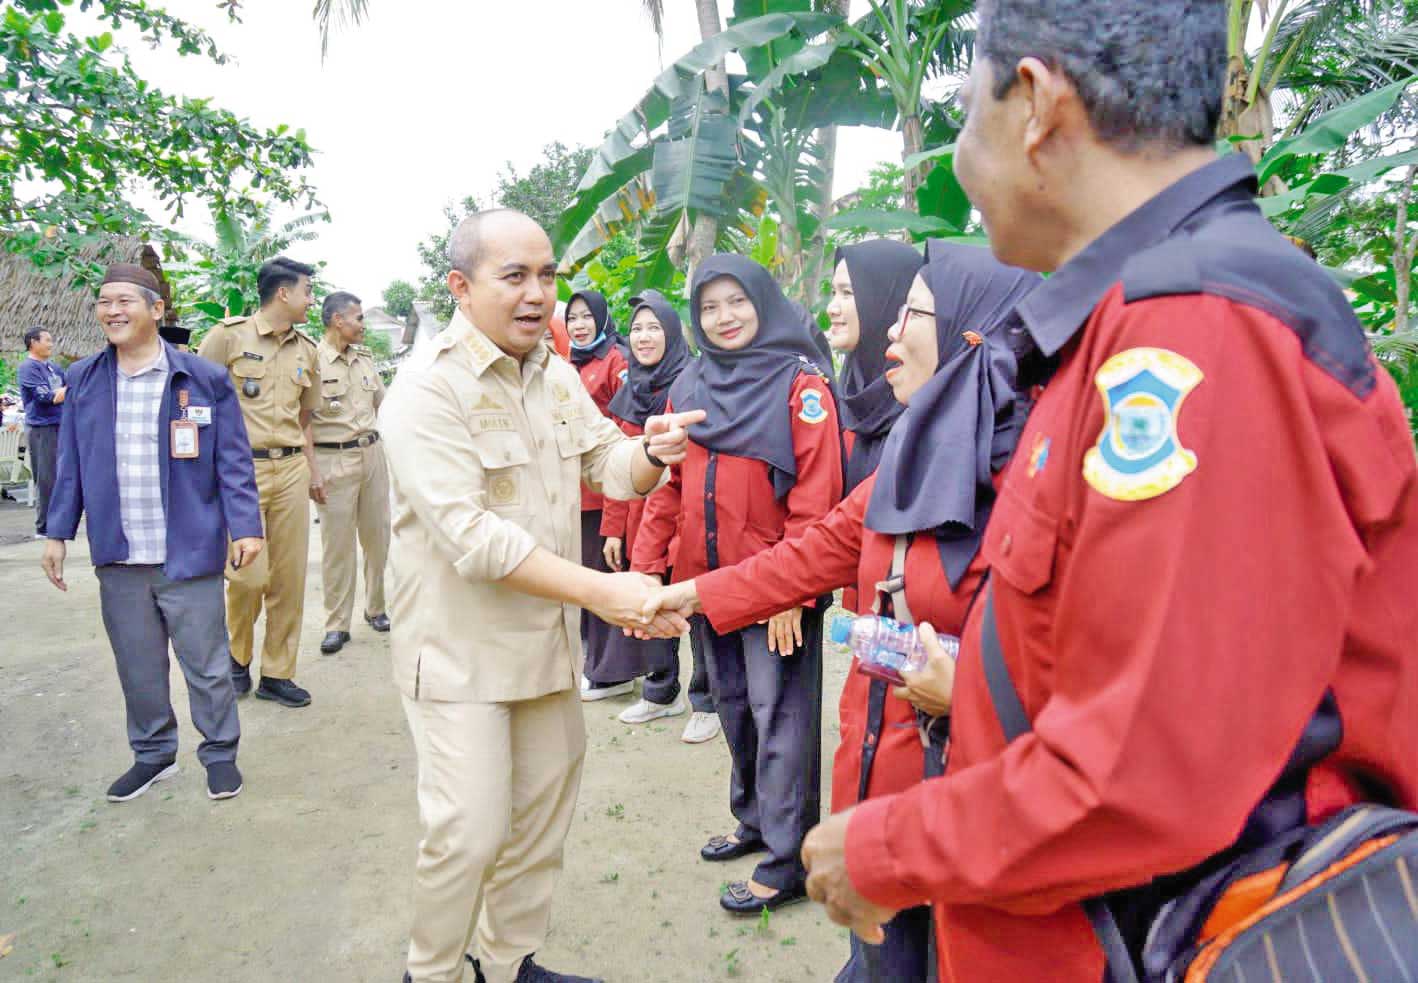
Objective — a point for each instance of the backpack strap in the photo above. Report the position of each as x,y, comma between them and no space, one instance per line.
1015,722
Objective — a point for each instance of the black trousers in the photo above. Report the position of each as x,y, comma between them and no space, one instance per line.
907,955
771,710
42,447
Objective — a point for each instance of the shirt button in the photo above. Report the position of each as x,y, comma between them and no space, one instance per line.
540,443
1006,544
552,498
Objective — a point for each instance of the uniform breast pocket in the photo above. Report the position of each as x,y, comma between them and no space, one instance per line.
504,461
333,389
1020,542
249,375
573,438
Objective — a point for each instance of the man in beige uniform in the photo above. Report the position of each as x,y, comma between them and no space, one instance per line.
356,477
489,436
275,371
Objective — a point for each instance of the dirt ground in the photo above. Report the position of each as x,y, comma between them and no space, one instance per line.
306,875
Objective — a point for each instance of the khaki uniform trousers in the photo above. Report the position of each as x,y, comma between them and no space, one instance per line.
497,786
357,499
277,576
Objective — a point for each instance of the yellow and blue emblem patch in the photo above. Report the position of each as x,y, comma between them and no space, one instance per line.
812,411
1139,455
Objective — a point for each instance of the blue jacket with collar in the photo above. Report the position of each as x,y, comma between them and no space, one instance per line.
206,499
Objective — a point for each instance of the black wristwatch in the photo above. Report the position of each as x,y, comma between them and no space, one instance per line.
645,446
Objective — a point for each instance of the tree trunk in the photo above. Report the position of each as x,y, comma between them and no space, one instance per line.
1405,249
706,228
822,208
913,141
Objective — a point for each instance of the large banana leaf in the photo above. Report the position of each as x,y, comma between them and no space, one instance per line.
627,205
884,221
684,76
1331,130
589,201
1336,182
692,167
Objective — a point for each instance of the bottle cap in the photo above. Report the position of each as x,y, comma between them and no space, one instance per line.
841,629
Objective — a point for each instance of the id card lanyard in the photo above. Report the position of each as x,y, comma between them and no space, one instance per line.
184,432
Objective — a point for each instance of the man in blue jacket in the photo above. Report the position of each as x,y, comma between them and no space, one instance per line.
153,448
42,392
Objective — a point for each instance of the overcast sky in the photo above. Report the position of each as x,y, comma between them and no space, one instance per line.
424,102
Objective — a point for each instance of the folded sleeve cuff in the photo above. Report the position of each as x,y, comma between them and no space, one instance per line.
506,547
871,866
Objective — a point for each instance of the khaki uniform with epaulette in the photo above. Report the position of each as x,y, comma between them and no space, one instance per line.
277,378
351,460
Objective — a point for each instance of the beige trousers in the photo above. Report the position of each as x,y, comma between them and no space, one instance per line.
357,499
276,579
497,785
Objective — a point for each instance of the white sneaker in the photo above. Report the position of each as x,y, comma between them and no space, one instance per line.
589,695
702,727
643,711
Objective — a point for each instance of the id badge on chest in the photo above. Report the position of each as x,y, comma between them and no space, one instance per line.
184,432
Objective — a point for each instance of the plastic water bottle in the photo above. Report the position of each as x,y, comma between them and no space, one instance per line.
884,646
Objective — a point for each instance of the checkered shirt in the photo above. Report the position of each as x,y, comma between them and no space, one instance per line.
137,428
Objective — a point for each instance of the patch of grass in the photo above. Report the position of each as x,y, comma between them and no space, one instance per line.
611,878
765,922
87,825
71,790
713,932
59,961
789,941
731,963
616,811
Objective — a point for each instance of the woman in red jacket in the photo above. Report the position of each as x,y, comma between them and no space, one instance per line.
764,466
869,285
931,493
597,354
658,353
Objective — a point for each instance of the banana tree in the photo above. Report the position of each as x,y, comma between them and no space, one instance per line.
1320,53
666,161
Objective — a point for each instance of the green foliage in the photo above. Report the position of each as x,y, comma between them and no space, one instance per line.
615,273
547,188
433,253
219,278
81,131
399,298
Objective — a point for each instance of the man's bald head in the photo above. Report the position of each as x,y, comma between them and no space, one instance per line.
466,245
504,278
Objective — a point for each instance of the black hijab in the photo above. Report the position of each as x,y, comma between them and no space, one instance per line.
647,387
937,469
881,271
746,392
606,334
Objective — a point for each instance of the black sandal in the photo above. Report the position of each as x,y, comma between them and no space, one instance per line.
737,899
721,848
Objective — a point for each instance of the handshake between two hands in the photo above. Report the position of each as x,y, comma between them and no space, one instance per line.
641,606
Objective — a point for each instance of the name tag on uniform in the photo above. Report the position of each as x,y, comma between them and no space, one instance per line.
200,415
184,439
253,355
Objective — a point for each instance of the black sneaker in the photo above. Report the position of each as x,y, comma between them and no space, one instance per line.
333,642
282,691
478,970
240,678
379,622
223,780
138,779
530,972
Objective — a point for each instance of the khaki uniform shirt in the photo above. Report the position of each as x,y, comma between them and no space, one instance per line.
486,459
350,391
283,376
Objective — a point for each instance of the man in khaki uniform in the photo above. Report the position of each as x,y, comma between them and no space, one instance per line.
277,376
489,436
352,464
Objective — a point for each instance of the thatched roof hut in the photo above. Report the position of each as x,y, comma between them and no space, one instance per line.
63,304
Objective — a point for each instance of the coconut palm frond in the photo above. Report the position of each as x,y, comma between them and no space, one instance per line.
332,13
655,10
1395,347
